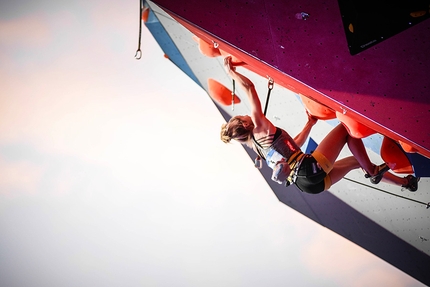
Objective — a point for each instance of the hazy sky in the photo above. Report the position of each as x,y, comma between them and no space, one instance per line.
112,172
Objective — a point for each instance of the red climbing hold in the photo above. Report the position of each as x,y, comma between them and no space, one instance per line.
145,14
354,128
317,110
220,93
407,148
395,157
207,49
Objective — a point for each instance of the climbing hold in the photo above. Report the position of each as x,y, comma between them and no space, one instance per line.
220,93
207,49
354,128
145,14
417,14
395,157
407,148
317,110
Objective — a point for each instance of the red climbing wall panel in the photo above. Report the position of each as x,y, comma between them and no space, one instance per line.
386,86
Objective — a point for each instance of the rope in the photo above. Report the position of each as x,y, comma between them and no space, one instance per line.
393,194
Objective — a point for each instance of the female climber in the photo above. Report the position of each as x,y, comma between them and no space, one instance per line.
311,173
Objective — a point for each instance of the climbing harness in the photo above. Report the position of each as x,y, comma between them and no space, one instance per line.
138,54
294,164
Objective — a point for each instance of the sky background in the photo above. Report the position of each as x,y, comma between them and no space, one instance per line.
112,172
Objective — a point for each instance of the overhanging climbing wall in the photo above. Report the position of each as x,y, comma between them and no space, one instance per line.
385,87
389,222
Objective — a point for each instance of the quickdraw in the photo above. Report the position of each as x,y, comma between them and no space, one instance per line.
232,95
257,161
138,54
269,87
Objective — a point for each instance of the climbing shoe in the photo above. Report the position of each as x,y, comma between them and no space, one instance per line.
380,170
412,184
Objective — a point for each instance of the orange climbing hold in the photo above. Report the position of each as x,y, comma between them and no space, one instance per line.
317,110
207,49
220,93
234,60
407,148
395,157
145,14
354,128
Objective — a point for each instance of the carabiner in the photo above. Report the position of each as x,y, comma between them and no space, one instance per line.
270,83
